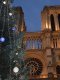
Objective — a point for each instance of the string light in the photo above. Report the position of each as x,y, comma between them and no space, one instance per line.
14,28
16,53
10,14
15,69
4,2
2,39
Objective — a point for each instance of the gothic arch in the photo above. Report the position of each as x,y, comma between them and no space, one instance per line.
59,20
52,22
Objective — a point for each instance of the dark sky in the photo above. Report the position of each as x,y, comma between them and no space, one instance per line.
32,11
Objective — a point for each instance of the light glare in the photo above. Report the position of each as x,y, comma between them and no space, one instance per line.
17,53
15,69
4,2
10,14
13,28
2,39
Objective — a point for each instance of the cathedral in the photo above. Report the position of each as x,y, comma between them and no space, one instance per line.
42,48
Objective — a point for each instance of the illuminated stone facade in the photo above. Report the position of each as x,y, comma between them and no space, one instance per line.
43,48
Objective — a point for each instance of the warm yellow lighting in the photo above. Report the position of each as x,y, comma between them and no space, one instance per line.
22,29
44,76
49,26
46,25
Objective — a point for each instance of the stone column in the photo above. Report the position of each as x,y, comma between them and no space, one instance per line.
44,20
33,46
49,24
47,21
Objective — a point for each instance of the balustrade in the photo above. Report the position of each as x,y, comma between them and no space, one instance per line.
32,41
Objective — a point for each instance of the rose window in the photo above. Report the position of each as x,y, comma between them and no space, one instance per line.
34,66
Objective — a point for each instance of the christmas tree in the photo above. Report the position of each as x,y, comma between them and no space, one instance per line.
11,43
5,35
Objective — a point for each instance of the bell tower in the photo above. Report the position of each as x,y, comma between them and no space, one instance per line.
51,38
51,18
20,22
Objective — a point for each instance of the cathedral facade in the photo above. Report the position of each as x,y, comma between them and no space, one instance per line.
43,48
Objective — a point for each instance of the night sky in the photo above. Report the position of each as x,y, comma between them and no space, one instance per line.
32,11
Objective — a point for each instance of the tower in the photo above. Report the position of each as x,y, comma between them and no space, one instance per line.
20,19
51,37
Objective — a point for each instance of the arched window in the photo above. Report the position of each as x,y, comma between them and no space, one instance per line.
52,22
59,19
